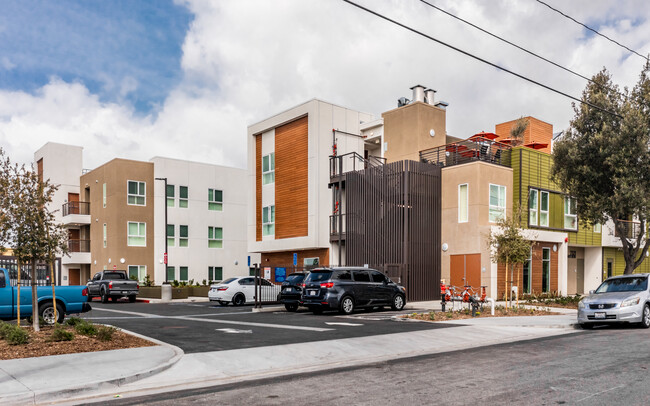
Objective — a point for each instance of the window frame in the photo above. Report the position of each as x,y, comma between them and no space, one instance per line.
267,180
533,210
171,238
570,199
529,262
212,237
460,208
183,239
105,234
598,228
268,224
541,209
170,199
546,263
497,207
141,271
212,273
218,204
181,270
129,236
104,194
143,196
183,202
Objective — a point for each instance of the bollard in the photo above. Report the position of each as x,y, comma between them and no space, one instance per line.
166,293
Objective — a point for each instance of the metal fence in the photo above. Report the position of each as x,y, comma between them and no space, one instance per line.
43,273
76,208
474,149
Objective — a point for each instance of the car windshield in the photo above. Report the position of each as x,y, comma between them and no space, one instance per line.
631,284
227,281
295,278
114,275
317,276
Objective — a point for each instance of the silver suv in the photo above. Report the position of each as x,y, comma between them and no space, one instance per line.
620,299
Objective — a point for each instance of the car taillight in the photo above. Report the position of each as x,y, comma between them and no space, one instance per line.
84,292
302,285
110,285
327,285
137,286
222,289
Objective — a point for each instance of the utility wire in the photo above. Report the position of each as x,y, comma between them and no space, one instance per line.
591,29
517,46
480,59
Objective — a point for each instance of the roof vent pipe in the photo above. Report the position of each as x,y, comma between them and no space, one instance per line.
429,96
418,93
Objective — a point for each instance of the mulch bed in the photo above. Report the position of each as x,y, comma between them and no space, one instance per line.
463,314
39,345
571,305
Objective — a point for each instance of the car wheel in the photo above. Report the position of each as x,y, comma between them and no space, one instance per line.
347,305
291,307
645,319
222,303
104,296
398,302
587,326
46,311
239,300
132,299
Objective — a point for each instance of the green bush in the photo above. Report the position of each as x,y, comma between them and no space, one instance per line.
85,328
17,336
5,328
73,321
105,333
147,281
60,334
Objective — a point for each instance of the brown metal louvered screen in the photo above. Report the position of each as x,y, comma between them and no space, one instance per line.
393,224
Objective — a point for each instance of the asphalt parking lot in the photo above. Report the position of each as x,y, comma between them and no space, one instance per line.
201,327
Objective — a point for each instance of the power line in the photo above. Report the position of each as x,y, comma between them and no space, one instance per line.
480,59
517,46
591,29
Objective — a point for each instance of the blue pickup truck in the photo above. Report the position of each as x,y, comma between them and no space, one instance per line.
69,300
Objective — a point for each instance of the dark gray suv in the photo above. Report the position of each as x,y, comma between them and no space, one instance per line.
348,288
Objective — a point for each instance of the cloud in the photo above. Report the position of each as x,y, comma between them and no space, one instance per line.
7,64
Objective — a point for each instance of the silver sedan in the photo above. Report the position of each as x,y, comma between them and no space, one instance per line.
620,299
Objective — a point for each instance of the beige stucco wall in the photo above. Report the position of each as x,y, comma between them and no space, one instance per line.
407,130
471,237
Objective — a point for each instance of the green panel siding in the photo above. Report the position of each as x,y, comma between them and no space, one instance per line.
616,255
532,169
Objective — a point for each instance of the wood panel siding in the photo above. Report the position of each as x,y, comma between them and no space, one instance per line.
258,187
537,131
285,258
536,270
291,180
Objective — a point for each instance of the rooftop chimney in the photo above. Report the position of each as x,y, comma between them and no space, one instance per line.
418,93
429,96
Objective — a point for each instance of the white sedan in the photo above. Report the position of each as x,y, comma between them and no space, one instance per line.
241,290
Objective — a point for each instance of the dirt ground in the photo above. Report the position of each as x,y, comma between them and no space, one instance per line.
39,345
466,314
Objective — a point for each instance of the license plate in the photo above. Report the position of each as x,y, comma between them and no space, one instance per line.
124,292
312,293
288,289
599,315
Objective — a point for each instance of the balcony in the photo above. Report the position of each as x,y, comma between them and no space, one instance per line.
476,148
76,213
351,162
627,229
337,227
79,252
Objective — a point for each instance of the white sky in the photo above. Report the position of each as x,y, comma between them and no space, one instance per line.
245,60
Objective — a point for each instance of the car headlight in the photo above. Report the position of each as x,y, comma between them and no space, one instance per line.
581,304
630,302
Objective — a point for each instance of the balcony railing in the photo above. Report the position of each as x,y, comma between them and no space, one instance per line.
474,149
351,162
79,245
82,208
336,229
627,229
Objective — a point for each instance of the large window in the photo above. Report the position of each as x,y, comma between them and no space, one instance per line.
528,274
532,207
497,203
170,194
104,195
215,200
215,237
268,220
171,273
546,269
268,168
597,228
570,217
215,273
182,236
463,203
105,231
136,234
183,271
137,271
183,200
543,209
136,193
171,234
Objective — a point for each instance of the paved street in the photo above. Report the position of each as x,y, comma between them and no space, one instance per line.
601,367
202,327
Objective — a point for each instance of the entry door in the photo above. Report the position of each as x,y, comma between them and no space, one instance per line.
74,277
466,270
73,200
580,276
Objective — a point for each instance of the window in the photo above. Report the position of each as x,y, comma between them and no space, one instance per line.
532,207
268,220
361,276
268,168
215,273
570,217
170,235
610,267
136,236
215,200
170,195
463,203
344,276
377,277
171,273
546,269
136,193
105,235
597,228
543,209
137,271
104,194
215,237
182,236
497,202
183,273
182,197
527,272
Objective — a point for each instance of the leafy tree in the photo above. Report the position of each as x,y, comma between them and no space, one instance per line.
603,161
517,131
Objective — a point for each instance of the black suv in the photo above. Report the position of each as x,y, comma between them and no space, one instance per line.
289,296
347,288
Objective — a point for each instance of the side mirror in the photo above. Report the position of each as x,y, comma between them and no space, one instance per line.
591,292
386,281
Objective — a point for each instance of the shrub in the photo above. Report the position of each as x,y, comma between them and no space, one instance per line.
147,281
5,328
73,321
60,334
175,283
85,328
17,336
105,333
205,282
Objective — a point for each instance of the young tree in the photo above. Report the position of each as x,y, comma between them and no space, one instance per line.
517,131
508,245
603,161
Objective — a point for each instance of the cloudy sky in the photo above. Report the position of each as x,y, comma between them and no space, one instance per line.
183,79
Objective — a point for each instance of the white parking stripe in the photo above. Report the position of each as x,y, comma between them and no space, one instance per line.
128,312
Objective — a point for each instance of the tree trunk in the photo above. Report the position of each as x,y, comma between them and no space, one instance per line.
35,320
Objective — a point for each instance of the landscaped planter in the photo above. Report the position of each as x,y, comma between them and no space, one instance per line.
180,292
152,292
201,291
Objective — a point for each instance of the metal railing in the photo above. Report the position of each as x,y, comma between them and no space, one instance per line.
352,162
336,228
76,208
475,149
79,245
627,229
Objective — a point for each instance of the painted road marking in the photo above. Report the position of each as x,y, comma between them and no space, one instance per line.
234,331
342,324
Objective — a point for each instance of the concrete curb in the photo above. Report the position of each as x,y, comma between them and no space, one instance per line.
61,395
